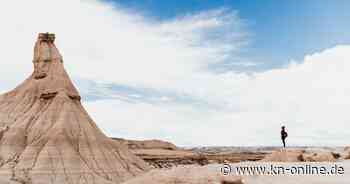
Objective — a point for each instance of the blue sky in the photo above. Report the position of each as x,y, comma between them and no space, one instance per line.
280,30
196,72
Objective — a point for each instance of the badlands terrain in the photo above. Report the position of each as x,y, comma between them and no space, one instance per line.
47,137
204,165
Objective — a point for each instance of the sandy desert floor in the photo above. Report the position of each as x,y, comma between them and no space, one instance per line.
298,179
211,174
183,166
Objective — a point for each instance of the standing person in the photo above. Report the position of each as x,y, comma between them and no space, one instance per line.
284,135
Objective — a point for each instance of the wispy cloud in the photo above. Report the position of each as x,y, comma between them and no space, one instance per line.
179,79
310,98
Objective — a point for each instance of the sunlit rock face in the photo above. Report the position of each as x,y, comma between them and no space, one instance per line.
48,137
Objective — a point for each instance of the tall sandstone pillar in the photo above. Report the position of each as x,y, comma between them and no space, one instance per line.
49,138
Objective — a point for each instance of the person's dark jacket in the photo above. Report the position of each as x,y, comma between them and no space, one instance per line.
284,134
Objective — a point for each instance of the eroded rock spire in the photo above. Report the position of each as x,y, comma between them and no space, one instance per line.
50,138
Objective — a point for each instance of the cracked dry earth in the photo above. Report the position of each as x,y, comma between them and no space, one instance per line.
47,137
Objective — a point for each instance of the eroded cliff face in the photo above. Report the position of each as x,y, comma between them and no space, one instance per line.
48,137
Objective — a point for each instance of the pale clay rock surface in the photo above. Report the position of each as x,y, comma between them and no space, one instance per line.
295,155
210,174
147,144
185,175
347,152
50,138
300,179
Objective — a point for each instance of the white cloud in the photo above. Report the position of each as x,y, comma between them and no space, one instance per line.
310,98
113,45
116,45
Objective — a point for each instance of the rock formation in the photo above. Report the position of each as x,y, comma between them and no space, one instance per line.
48,137
320,156
162,154
186,175
148,144
285,155
299,155
347,152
